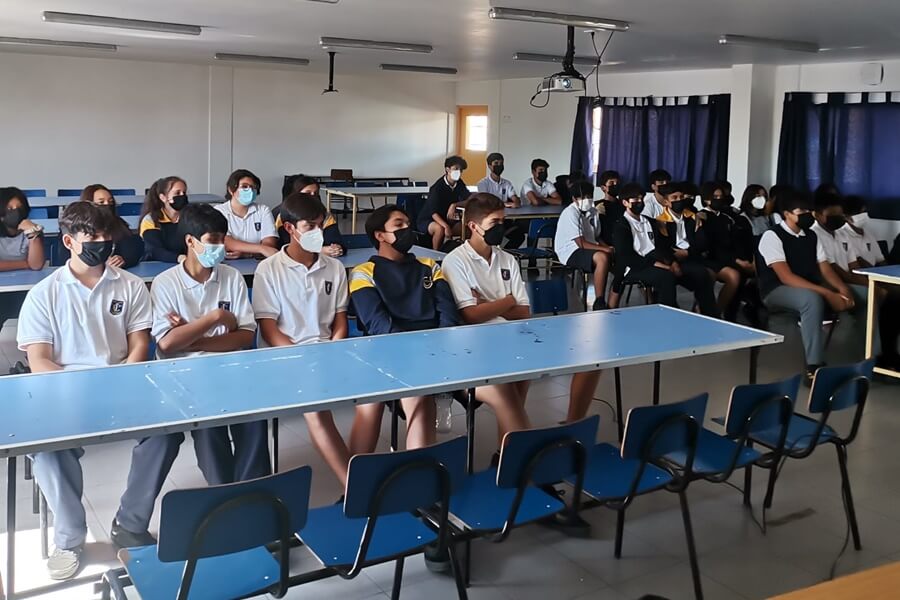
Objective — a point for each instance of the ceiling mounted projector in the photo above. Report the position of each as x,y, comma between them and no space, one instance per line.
563,83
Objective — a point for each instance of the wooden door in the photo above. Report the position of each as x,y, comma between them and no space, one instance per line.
471,141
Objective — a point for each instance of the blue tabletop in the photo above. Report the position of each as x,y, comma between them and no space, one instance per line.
51,226
547,211
889,272
51,201
132,401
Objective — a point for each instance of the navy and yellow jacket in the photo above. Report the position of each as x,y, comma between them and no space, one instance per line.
406,295
162,241
330,231
666,236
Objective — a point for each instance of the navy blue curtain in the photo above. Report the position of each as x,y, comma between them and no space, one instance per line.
581,137
853,145
688,140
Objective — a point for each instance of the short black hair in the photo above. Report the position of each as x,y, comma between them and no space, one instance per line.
659,175
853,204
89,219
301,207
199,219
456,161
539,162
670,188
235,179
607,175
378,219
791,199
494,156
689,188
581,188
630,191
480,205
708,188
824,200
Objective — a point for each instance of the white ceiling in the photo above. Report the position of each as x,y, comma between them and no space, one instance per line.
665,34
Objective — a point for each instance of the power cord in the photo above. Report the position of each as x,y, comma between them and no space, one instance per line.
599,58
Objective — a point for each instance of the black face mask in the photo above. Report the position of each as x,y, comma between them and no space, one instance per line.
497,170
834,222
542,176
613,190
717,204
179,202
13,218
494,235
677,206
404,239
806,221
637,207
95,253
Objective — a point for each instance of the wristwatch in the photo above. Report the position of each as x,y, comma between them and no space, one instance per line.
34,231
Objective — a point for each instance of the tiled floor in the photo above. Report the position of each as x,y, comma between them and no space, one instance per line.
806,525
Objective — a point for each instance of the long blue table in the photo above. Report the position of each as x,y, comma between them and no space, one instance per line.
61,201
885,275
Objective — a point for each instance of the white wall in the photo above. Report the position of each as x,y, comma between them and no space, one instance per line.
68,122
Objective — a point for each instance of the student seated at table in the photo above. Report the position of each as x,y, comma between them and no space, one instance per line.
609,208
795,276
579,243
89,314
334,242
438,217
680,244
653,206
251,226
300,297
159,220
494,184
858,235
396,291
128,247
637,260
21,245
537,190
200,307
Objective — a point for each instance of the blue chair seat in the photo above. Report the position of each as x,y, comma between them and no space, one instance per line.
799,435
483,506
227,576
334,538
609,476
715,452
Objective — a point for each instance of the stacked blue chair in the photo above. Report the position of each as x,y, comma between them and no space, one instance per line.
548,296
212,541
538,229
616,476
374,525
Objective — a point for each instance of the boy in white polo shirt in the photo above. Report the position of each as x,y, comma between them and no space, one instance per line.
88,314
578,243
653,200
536,190
200,307
300,296
251,226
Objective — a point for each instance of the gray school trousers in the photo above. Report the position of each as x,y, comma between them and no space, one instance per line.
810,309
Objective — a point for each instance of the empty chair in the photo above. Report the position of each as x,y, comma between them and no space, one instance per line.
548,296
68,192
35,193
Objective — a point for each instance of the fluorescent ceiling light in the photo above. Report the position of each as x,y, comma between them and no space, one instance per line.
419,69
537,16
325,1
14,41
281,60
328,43
730,39
116,23
550,58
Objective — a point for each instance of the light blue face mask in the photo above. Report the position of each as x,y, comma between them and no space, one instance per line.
212,255
246,196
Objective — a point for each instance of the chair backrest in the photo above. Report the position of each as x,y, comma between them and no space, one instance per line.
395,482
840,387
355,241
654,431
39,212
341,184
35,193
544,456
747,401
129,209
237,517
542,228
68,193
123,192
370,183
421,184
342,174
548,296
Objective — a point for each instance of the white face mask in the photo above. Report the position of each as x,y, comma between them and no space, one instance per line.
585,204
455,174
758,203
312,241
860,220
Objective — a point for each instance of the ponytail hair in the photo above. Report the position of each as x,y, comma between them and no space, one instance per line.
153,206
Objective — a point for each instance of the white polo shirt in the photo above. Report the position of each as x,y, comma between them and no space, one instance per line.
642,232
681,241
834,250
541,190
465,270
857,245
303,302
772,250
503,189
257,225
572,225
652,207
176,291
85,327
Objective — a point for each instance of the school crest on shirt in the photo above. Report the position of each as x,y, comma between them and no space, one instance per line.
328,287
504,273
846,246
225,305
427,282
258,226
869,246
116,307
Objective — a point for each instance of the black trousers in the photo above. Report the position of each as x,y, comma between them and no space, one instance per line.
661,280
696,278
249,460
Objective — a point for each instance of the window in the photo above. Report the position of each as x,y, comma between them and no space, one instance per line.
596,122
476,133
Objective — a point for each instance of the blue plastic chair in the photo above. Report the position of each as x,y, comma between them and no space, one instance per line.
355,241
128,209
548,296
374,524
39,213
68,192
212,541
616,476
834,389
538,229
35,193
124,192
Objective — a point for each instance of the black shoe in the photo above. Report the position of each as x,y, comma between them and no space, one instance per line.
435,561
122,538
600,304
571,525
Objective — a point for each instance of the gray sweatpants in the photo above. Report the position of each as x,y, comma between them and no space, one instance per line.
810,309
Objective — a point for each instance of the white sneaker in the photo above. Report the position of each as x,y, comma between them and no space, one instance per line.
63,564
